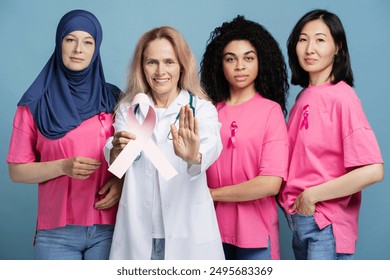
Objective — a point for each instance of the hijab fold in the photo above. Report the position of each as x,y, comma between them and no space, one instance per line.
59,98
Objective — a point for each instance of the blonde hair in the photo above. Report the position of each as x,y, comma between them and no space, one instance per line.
189,79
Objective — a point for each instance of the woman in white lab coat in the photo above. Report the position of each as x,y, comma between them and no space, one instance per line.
175,218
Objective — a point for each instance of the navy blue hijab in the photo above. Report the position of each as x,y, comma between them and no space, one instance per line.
59,98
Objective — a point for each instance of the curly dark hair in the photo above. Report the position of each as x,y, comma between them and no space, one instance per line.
271,81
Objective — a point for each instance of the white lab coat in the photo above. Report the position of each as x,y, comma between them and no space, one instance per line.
189,219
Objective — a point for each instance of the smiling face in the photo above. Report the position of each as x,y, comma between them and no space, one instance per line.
316,50
240,65
161,68
77,50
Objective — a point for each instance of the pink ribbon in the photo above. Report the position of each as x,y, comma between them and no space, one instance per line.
305,120
233,130
143,142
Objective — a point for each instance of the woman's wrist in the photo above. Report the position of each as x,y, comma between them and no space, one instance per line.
196,160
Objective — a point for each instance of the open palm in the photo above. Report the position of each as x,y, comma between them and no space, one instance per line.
186,140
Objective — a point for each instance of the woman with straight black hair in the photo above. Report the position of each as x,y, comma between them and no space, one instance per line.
341,70
334,154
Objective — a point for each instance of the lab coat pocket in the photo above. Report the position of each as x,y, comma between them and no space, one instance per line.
204,223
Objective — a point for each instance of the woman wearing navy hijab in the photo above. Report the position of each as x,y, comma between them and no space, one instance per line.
59,131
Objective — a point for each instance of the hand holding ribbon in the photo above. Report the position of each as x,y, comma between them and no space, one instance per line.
142,142
121,139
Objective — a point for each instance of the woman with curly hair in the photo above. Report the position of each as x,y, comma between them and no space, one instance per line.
244,73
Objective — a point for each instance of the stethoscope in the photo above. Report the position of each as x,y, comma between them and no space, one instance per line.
169,136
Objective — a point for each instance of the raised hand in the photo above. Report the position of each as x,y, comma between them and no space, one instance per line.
186,140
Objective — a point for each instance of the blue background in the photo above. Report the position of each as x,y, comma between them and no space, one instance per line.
27,34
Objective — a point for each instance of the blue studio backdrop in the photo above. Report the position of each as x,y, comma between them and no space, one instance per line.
27,35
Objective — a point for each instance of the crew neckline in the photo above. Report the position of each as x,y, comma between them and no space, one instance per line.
241,104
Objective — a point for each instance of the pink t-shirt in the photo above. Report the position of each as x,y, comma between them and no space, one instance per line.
328,135
254,138
64,200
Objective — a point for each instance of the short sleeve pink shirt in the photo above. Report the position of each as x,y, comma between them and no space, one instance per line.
254,138
328,135
64,200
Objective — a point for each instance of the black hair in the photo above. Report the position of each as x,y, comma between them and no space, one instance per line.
271,81
341,70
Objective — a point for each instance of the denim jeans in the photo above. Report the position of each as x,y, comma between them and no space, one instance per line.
158,249
74,243
311,243
233,252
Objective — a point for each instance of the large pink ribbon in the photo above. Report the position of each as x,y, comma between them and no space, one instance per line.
143,142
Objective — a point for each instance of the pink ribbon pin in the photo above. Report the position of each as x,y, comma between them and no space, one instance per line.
305,120
143,142
233,130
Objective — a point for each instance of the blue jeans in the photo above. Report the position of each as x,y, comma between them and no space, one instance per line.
233,252
311,243
74,243
158,249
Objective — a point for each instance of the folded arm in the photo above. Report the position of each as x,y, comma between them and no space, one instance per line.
38,172
258,187
348,184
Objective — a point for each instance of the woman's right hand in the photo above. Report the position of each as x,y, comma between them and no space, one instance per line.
119,142
304,203
79,167
39,172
